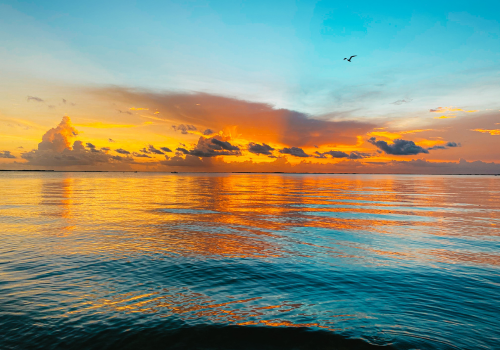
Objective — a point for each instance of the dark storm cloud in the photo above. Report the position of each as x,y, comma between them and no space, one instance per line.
34,98
152,149
336,154
165,149
319,155
225,145
399,147
182,150
140,155
358,155
122,151
92,147
6,154
211,147
447,145
294,151
340,154
260,149
184,129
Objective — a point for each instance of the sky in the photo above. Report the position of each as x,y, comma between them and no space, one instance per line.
251,86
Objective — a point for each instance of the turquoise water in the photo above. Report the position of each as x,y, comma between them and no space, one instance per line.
249,261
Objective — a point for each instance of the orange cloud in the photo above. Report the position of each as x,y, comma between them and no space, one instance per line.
488,131
395,135
450,109
59,138
445,117
139,109
256,122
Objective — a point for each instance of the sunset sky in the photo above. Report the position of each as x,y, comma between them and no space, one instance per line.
250,86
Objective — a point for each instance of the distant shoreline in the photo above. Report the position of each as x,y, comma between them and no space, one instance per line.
227,172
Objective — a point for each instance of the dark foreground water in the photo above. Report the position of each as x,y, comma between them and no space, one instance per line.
186,261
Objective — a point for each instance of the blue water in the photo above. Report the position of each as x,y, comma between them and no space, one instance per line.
249,261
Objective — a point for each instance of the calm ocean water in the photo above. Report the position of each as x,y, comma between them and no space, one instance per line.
249,261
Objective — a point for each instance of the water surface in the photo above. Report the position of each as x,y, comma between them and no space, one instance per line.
249,261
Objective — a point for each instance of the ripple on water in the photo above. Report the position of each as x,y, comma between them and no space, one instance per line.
249,261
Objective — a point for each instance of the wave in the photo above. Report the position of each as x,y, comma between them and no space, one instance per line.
204,337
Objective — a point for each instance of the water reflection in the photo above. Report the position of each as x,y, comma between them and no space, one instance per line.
359,255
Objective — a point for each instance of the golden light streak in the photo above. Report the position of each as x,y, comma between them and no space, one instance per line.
488,131
445,117
100,125
451,109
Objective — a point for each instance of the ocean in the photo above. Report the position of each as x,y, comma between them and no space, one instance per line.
248,261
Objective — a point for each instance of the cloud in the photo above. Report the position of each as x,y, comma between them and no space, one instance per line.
138,109
294,151
165,149
399,147
445,146
105,149
184,129
188,161
359,155
34,98
451,109
254,121
488,131
340,154
92,147
111,140
64,101
152,149
140,155
260,149
122,151
58,139
125,112
400,102
6,154
211,147
335,154
225,145
56,150
182,150
208,132
445,116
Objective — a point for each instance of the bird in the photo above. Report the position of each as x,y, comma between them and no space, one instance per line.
349,60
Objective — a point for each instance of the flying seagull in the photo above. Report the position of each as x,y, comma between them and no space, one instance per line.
349,60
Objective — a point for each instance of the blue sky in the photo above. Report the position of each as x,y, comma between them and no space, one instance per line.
287,53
